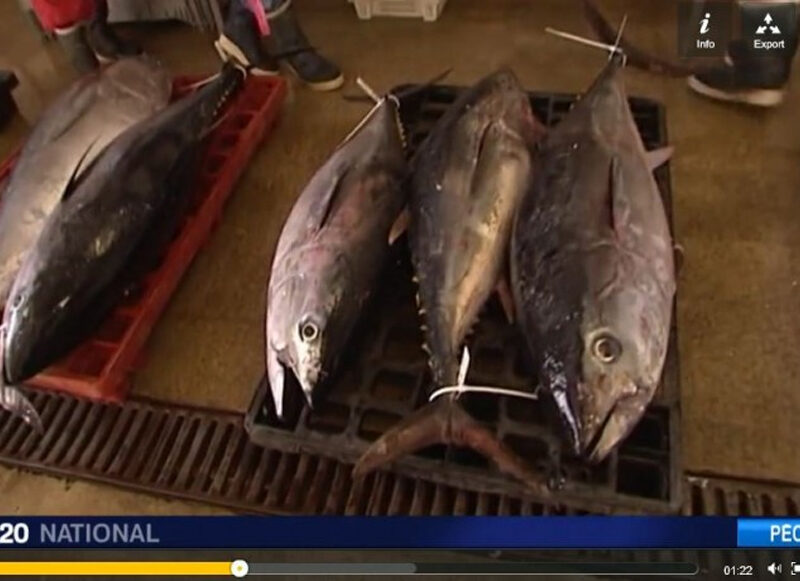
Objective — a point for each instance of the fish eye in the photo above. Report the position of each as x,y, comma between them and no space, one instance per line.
17,301
607,348
308,331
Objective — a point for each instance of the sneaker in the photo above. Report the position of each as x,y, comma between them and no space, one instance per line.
107,46
746,78
288,42
240,42
74,43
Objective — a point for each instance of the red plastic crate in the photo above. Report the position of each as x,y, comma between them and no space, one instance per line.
100,368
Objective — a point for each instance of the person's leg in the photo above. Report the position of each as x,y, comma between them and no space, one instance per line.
68,19
104,41
248,21
288,42
241,38
749,75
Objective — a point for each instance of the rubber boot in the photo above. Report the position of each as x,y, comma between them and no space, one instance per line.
288,42
75,44
749,76
107,46
241,41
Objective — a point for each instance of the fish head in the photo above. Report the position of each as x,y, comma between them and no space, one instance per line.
305,327
26,323
615,370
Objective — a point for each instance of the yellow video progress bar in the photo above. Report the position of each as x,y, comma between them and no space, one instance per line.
109,568
240,568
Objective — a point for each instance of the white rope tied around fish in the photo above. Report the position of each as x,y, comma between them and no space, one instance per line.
612,49
461,387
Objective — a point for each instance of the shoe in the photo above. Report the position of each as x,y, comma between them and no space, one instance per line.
107,46
288,43
73,41
240,42
747,77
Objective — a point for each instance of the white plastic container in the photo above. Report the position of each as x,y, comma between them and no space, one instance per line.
429,10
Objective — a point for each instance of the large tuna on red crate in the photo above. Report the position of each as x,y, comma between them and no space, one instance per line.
100,367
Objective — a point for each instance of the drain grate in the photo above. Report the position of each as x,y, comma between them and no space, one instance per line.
384,375
205,455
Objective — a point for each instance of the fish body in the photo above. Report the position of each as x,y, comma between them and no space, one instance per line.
592,269
330,253
116,216
468,179
71,133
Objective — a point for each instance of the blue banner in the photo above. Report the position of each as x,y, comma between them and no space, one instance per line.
250,532
768,532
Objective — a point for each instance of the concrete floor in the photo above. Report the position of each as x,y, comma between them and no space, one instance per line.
736,180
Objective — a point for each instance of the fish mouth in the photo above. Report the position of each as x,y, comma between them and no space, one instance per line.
600,444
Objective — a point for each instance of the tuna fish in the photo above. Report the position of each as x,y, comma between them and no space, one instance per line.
111,223
468,179
330,253
69,136
592,269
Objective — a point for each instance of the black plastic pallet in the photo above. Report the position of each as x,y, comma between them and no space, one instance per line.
199,454
384,373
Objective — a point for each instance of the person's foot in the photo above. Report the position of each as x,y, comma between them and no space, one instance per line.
240,41
105,42
288,42
74,43
746,78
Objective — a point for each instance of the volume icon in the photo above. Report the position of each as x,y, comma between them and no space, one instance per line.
774,568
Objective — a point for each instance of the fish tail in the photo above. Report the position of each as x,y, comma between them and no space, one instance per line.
634,55
444,421
12,398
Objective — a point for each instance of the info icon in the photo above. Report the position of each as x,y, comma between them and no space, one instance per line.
704,28
770,28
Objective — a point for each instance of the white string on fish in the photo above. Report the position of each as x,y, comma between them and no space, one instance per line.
613,49
368,90
461,386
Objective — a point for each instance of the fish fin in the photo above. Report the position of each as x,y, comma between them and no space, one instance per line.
678,257
635,56
73,178
506,300
614,179
658,157
328,202
400,225
445,422
276,375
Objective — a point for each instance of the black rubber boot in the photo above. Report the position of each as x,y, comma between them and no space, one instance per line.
288,42
105,43
241,42
748,76
73,41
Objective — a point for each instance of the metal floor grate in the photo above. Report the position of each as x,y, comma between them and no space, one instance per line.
384,373
205,455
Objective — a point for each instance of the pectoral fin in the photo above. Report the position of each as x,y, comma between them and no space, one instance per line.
658,157
400,226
